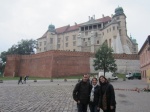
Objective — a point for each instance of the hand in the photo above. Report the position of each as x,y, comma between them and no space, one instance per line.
111,107
98,108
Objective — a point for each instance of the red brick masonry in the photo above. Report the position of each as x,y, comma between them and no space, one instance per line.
53,63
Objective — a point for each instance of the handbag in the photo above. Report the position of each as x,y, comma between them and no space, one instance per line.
104,100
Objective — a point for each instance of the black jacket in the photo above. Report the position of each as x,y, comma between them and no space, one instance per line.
110,94
96,95
81,92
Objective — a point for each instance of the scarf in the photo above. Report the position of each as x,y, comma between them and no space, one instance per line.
92,93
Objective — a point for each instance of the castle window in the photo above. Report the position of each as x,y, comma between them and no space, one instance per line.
118,18
113,27
88,38
58,46
44,42
107,30
90,27
98,42
110,29
40,49
74,43
40,43
66,44
82,28
51,40
99,25
94,26
134,49
45,48
83,39
85,43
103,33
66,38
58,40
74,37
119,24
86,28
74,50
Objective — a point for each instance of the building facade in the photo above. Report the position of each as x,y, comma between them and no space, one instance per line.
88,36
144,55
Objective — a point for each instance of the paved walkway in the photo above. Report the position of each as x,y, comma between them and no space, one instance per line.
46,96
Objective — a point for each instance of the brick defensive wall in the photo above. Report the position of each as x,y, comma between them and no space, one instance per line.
53,63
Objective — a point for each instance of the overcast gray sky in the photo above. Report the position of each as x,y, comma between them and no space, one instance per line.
26,19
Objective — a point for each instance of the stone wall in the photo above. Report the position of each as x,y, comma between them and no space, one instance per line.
61,63
48,64
125,63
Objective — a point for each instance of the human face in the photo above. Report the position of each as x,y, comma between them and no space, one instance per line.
102,80
85,78
94,81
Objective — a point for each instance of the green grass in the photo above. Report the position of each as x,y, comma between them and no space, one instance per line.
41,78
17,78
121,75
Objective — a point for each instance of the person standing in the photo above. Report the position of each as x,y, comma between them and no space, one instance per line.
81,94
107,99
94,96
20,80
25,78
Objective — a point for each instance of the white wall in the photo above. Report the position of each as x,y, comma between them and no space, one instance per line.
124,66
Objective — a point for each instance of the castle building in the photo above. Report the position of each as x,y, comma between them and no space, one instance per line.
88,36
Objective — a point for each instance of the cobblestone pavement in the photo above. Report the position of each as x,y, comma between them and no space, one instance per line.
46,96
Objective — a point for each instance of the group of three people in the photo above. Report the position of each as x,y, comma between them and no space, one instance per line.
95,95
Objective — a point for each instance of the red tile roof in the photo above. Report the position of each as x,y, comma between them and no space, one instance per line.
69,28
72,28
62,29
104,19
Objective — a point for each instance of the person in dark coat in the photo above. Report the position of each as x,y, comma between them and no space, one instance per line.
20,80
81,94
107,99
94,96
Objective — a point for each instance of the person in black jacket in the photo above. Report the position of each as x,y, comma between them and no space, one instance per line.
81,94
107,99
20,80
94,96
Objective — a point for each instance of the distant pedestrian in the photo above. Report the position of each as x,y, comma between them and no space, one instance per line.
20,80
107,100
25,78
81,94
94,96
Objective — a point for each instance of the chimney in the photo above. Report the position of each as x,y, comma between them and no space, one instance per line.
112,15
89,18
93,16
103,15
75,23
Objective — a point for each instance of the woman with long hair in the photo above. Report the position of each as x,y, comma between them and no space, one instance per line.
107,100
94,96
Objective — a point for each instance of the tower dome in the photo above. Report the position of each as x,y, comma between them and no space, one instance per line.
119,11
51,28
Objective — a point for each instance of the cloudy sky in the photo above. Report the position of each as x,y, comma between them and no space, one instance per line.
26,19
